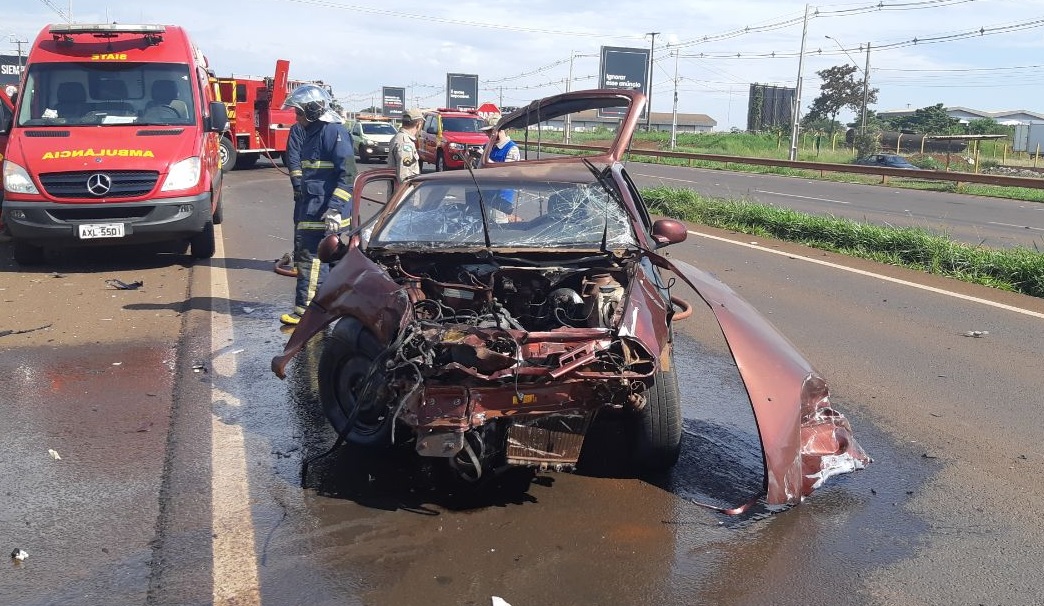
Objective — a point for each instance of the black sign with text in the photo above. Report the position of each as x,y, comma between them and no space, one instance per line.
393,101
623,69
462,91
11,68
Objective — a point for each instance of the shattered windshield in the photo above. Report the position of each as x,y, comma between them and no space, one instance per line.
441,214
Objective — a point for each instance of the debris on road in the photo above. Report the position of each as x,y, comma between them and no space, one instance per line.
21,554
978,334
54,454
199,367
121,285
499,602
5,333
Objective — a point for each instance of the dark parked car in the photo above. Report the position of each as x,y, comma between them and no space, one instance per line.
886,160
492,314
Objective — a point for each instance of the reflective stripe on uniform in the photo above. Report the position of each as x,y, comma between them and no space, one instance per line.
311,225
296,172
316,164
342,194
313,279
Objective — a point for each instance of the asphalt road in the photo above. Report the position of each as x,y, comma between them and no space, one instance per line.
178,480
990,222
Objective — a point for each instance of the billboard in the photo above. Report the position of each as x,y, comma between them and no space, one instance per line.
393,101
11,67
770,107
461,91
623,68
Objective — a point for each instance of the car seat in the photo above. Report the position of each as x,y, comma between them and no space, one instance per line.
72,100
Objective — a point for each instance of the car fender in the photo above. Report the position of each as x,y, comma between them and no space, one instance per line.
802,446
357,287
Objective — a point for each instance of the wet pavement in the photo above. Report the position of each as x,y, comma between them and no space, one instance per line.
180,473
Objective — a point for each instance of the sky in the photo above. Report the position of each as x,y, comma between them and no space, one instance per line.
980,54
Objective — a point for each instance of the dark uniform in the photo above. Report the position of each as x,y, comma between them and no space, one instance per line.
321,160
327,170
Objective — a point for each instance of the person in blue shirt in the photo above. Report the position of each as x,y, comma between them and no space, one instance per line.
504,149
321,161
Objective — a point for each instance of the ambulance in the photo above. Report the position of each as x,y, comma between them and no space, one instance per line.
114,140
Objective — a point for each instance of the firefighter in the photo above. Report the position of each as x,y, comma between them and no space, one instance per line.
322,168
402,153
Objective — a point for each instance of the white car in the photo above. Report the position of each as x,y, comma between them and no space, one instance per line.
371,139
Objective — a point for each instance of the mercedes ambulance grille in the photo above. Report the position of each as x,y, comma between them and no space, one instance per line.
122,183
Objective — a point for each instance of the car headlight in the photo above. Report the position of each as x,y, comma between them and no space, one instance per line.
183,174
456,146
16,179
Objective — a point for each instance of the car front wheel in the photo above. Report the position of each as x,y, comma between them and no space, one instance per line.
659,424
354,398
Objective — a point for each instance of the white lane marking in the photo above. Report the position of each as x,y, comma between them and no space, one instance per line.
948,293
663,178
777,193
1010,225
236,581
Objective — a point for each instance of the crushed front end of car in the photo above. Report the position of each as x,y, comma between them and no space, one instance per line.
495,314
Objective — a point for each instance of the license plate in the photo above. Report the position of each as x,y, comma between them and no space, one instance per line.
90,231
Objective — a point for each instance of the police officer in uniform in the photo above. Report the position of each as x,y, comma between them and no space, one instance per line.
322,170
402,152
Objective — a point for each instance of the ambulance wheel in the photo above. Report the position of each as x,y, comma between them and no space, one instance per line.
27,254
203,245
440,162
227,154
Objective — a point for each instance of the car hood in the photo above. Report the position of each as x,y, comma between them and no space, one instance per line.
549,108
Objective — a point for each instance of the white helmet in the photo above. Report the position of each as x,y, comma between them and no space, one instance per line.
315,102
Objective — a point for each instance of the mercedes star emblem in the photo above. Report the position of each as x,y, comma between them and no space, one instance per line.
99,184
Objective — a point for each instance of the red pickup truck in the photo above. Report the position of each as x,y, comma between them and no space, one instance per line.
448,135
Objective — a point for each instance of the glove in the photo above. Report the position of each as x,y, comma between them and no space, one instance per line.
297,195
333,221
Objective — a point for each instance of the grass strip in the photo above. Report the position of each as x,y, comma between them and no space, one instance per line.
1017,269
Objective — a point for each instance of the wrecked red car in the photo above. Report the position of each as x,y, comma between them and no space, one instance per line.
490,315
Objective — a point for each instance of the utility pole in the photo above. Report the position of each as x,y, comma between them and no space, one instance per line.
674,112
19,44
797,93
866,86
568,87
648,79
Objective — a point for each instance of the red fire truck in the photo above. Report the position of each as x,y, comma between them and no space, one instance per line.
257,123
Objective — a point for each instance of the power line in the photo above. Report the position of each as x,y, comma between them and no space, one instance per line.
448,20
936,39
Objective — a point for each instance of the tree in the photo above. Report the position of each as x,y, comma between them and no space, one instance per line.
930,120
839,90
988,126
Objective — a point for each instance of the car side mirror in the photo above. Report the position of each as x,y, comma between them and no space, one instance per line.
218,117
669,231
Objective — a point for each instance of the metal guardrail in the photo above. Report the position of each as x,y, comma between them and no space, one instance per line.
822,167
